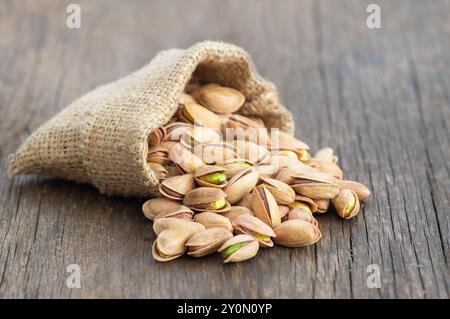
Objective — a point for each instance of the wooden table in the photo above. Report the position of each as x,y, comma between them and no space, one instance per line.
380,97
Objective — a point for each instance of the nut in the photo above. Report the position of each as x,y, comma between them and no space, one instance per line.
187,226
204,199
360,189
210,176
177,186
219,99
197,114
250,225
156,206
296,233
282,192
207,241
236,211
212,220
265,207
239,248
170,244
346,204
315,185
241,184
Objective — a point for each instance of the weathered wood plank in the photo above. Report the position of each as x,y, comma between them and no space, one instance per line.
380,97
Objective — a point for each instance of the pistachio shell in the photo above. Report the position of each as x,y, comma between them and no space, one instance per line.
159,170
252,152
186,161
241,184
281,161
213,220
201,198
360,189
250,225
282,192
285,175
287,141
210,176
182,213
199,135
185,98
158,154
266,171
265,207
233,166
304,203
236,211
219,99
246,201
169,244
156,206
296,233
156,136
244,122
176,130
175,223
207,241
219,152
246,247
315,185
193,112
346,204
326,167
322,205
284,211
177,186
299,213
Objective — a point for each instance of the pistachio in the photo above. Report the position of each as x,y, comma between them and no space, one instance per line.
304,202
187,226
207,241
158,154
196,113
177,187
290,143
181,212
246,201
239,248
326,154
281,161
236,211
266,171
169,244
315,185
233,166
284,211
199,135
360,189
207,199
303,214
156,206
250,225
241,184
213,153
184,159
159,170
285,174
244,122
296,233
252,152
326,167
156,136
211,220
210,176
176,130
265,207
219,99
346,204
282,192
185,98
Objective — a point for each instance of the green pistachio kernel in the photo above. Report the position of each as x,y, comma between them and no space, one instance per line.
260,236
218,204
214,178
227,252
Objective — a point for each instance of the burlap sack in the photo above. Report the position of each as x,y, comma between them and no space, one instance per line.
101,138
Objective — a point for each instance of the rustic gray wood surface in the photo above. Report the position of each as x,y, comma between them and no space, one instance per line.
381,97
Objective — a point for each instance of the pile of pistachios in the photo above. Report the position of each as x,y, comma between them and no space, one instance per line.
231,185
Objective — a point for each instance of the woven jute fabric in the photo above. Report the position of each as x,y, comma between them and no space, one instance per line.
101,138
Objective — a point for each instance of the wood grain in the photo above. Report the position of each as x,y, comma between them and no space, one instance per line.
380,97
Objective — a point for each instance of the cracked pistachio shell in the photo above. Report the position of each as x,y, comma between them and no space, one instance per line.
234,165
304,203
296,233
239,248
252,152
266,170
282,192
285,174
326,154
176,130
207,241
210,176
281,161
206,199
177,186
198,135
236,211
322,205
213,220
159,170
219,99
156,206
244,122
265,207
246,201
284,211
193,112
346,204
218,152
187,226
250,225
182,213
158,154
185,160
306,215
169,244
315,185
157,136
360,189
241,184
326,167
